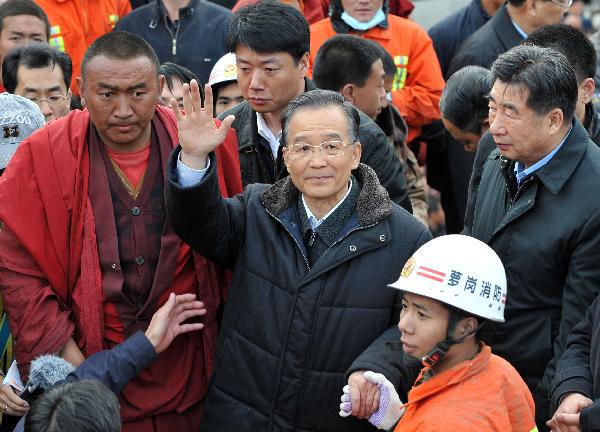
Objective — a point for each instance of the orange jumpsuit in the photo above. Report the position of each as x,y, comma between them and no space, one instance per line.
418,84
482,394
75,24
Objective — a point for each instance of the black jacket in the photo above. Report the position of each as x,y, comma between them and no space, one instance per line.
448,35
196,41
547,234
578,369
289,334
257,164
487,145
484,46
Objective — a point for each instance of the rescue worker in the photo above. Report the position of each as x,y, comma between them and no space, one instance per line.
452,286
224,84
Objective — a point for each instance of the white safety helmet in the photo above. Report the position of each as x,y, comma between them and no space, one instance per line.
460,271
224,70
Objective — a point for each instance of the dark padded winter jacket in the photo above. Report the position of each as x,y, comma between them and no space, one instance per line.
289,334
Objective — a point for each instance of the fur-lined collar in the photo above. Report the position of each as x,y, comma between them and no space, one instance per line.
373,203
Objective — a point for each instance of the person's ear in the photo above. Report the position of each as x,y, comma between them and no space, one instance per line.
284,150
555,119
161,86
531,7
356,153
348,92
303,64
465,326
81,88
588,87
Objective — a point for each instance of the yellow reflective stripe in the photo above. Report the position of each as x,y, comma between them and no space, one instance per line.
401,63
535,429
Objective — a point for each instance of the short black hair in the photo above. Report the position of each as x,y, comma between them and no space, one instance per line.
344,59
546,74
464,99
120,45
570,42
183,74
321,99
79,406
516,3
268,27
23,7
34,56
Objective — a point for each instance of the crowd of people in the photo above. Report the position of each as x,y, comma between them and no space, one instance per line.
218,216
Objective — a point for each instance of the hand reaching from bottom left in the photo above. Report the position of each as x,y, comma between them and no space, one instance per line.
390,408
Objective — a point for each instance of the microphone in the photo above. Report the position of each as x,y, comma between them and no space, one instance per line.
45,371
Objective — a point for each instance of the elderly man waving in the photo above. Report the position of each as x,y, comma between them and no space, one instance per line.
311,256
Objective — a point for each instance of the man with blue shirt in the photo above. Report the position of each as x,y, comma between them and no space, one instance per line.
536,205
508,27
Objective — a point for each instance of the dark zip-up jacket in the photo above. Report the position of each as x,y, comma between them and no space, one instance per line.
258,166
484,46
486,145
448,34
578,370
196,41
289,332
547,234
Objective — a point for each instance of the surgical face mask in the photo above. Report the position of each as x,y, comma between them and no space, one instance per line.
378,18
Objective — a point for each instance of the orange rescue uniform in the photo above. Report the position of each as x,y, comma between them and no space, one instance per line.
418,83
75,24
482,394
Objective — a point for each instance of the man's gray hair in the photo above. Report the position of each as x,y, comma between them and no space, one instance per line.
79,406
547,75
321,99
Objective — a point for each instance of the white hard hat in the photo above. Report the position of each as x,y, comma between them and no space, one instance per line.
460,271
224,70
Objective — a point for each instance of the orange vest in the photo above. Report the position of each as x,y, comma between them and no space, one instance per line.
418,84
482,394
75,24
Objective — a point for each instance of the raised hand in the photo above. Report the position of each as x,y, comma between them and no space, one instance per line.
166,322
198,133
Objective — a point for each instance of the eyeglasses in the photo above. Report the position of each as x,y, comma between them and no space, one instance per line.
51,100
564,3
327,149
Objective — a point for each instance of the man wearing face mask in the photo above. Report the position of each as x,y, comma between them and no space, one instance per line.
418,83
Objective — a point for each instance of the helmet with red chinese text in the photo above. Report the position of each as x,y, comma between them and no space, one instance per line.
462,273
459,271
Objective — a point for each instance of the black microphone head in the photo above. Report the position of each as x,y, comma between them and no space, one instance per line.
47,370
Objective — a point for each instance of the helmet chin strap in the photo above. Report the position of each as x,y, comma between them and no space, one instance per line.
440,349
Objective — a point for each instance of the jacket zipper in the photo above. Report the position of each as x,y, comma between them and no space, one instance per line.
173,36
518,192
291,235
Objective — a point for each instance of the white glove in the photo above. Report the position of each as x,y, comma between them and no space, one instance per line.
346,405
390,407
